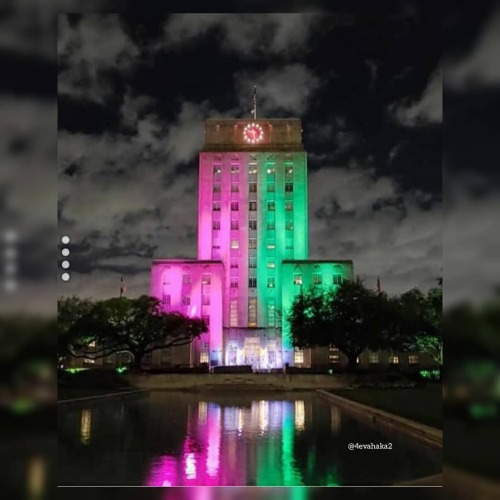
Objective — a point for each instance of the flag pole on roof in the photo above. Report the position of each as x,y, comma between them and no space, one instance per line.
254,109
122,287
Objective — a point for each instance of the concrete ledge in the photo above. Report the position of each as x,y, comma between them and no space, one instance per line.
243,382
112,395
423,433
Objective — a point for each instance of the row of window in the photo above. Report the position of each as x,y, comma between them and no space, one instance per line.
252,169
373,358
317,279
252,187
185,299
252,224
252,206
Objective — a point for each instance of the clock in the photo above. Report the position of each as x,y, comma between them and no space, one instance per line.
253,133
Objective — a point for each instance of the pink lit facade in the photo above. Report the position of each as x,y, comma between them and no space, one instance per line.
252,217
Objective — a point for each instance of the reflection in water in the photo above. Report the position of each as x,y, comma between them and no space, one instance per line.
300,415
200,462
174,439
36,477
85,426
335,419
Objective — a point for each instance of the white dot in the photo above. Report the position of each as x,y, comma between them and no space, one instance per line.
65,264
65,276
65,239
65,252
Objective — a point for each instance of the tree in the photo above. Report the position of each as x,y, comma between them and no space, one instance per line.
422,317
101,328
351,317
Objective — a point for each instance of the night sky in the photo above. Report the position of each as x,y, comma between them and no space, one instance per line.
134,93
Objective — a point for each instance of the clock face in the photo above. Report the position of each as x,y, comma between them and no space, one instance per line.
253,133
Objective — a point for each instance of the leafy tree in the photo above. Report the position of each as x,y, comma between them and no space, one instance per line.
98,329
422,317
351,317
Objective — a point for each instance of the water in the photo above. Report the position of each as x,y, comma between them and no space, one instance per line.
188,439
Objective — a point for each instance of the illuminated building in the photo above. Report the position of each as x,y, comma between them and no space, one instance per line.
252,247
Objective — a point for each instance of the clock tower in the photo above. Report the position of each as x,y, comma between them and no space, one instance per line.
252,216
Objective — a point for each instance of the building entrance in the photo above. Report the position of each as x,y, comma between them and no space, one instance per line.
252,351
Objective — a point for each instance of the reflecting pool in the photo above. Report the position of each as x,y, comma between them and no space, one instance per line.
195,439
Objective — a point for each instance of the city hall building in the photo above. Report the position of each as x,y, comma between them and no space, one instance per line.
252,248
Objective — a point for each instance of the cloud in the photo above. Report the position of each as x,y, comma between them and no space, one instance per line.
480,66
287,89
355,215
248,35
426,110
90,52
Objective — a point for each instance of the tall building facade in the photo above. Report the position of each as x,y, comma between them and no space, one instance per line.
252,247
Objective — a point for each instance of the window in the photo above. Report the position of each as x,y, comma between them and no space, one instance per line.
205,279
252,312
216,188
288,206
271,171
235,188
234,283
271,264
288,187
298,357
233,313
271,245
89,361
235,244
203,357
186,279
252,243
373,358
252,224
217,170
205,299
271,188
234,206
166,358
297,279
289,244
413,359
394,360
235,169
166,299
252,168
289,170
252,262
216,206
271,310
271,282
234,263
334,358
271,206
234,225
91,344
206,319
271,225
337,279
252,187
289,225
186,300
317,279
216,225
252,206
332,348
252,282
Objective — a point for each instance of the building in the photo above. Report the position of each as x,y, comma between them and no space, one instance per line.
252,247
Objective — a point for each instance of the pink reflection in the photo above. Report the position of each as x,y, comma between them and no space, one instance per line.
201,446
163,472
